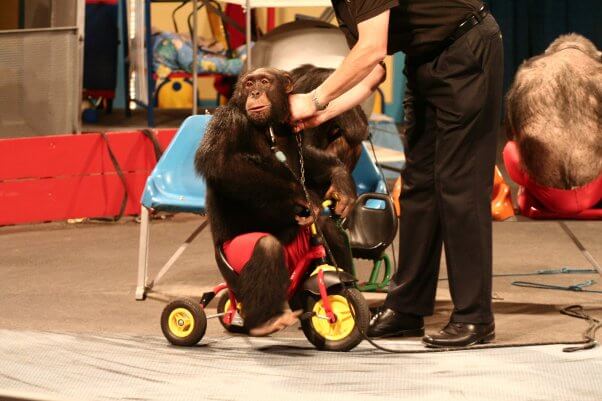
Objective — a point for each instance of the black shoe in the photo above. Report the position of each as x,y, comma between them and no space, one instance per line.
388,323
461,335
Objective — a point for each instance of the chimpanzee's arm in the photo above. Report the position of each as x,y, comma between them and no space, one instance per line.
354,125
324,170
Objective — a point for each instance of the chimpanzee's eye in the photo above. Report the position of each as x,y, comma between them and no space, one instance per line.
265,81
248,84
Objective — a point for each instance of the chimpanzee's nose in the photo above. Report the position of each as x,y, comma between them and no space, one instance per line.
255,93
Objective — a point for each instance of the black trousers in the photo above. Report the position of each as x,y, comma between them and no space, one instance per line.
452,106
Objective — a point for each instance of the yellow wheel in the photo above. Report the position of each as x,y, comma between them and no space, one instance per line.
223,305
342,327
351,311
183,322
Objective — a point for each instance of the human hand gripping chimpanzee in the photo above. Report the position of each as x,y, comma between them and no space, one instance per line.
342,135
304,114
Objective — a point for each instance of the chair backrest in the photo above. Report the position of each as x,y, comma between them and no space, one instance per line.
367,176
372,228
173,184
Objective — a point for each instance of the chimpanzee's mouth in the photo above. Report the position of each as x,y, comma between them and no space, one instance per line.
258,108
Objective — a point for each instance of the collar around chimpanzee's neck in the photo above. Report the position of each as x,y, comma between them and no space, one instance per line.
280,130
272,136
277,152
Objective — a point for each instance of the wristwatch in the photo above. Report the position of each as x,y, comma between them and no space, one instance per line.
319,106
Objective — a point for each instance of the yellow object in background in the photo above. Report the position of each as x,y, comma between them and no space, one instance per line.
378,102
395,194
175,93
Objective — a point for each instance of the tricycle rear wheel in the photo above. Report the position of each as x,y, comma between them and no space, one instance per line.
222,307
183,322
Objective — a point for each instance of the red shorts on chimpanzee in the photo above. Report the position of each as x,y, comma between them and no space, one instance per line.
239,250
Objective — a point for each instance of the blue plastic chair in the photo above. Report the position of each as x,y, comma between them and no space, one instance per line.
366,175
173,186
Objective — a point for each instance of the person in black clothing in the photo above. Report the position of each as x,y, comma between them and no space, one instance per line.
454,60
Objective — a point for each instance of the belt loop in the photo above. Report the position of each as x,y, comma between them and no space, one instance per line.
482,13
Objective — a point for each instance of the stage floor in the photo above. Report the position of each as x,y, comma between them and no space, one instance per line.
52,366
71,329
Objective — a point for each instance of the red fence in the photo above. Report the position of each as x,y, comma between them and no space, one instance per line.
71,176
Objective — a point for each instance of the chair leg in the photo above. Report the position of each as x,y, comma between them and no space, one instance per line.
143,253
178,253
384,285
375,272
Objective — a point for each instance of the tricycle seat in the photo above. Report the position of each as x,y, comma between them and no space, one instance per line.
227,271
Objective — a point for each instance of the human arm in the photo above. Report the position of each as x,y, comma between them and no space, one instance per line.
361,62
347,101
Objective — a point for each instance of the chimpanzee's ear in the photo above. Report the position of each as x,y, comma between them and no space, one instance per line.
287,82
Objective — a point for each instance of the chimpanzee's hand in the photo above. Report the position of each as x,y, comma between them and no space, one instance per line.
344,203
304,217
304,221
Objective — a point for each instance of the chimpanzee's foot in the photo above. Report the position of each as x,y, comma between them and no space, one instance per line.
288,318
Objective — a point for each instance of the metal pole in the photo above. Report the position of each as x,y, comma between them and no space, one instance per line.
150,81
248,32
143,253
125,47
195,84
81,20
580,246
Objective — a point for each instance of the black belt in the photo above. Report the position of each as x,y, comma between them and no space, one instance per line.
466,25
470,22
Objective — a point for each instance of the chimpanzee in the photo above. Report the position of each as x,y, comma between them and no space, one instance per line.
554,113
250,160
343,135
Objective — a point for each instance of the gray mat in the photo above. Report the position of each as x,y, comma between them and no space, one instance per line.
86,367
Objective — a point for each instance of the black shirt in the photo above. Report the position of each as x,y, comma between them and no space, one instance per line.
415,26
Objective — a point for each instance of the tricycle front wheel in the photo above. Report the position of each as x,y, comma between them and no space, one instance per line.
352,315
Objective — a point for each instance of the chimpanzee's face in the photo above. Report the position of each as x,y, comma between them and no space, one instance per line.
265,95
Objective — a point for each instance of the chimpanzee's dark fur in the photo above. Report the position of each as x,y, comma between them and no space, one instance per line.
263,283
342,136
554,113
249,190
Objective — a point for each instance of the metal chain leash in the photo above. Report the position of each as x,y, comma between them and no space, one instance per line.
302,169
309,204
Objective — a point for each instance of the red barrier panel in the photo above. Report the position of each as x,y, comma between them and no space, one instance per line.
71,176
